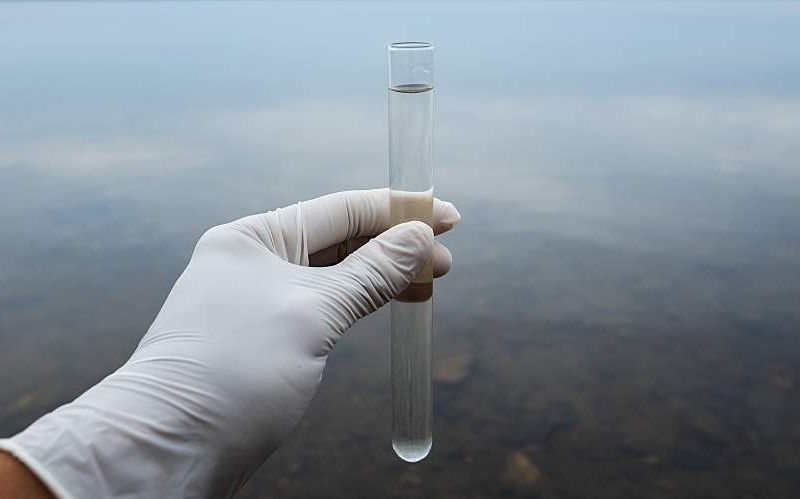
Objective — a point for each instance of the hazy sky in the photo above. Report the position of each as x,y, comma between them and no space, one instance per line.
173,55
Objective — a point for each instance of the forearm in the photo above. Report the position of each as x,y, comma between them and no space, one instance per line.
19,482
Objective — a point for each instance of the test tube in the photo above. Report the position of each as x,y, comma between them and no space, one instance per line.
411,198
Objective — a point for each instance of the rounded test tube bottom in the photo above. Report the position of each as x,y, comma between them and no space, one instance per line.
412,450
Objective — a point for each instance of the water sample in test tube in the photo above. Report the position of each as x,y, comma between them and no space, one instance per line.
411,198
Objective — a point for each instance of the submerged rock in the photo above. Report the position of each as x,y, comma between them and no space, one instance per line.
783,382
411,478
453,369
521,476
653,460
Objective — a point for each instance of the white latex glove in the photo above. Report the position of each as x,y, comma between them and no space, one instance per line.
233,359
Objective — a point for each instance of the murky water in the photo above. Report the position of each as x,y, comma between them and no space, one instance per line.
622,315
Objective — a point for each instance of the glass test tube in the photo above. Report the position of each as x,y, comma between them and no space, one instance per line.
411,198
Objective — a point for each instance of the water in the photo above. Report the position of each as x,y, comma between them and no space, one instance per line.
623,306
411,198
412,395
411,138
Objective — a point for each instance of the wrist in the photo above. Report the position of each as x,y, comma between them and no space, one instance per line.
17,480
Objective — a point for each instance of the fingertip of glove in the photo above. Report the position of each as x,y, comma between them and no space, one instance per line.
452,216
445,215
409,245
418,233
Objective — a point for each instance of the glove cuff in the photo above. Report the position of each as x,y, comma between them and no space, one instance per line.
99,446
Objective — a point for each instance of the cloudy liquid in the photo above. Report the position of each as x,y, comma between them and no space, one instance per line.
405,207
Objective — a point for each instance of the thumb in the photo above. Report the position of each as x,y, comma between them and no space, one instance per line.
382,268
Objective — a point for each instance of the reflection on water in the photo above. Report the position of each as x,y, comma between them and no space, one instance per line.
621,320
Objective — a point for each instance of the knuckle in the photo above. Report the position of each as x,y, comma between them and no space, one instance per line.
215,237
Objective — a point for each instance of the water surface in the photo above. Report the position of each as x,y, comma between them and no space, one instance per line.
622,316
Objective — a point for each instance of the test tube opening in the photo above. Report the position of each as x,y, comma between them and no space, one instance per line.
411,67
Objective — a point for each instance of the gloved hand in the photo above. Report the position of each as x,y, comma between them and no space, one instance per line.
234,357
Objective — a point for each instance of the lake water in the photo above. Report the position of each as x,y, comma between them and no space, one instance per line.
623,314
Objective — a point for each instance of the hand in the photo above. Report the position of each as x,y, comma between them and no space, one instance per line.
236,353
